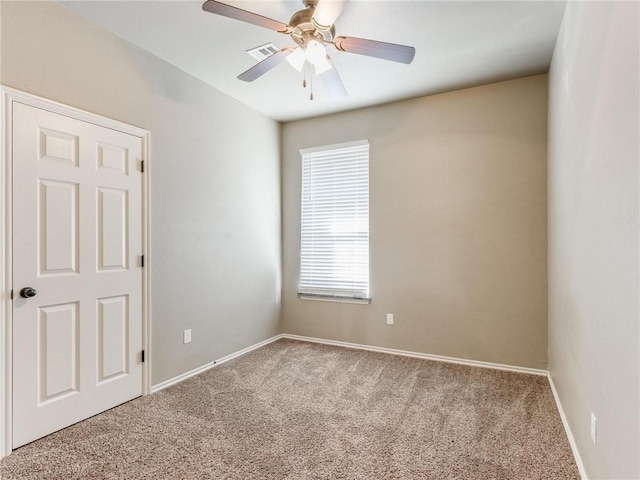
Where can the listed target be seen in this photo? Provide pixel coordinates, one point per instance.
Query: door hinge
(142, 261)
(11, 294)
(142, 356)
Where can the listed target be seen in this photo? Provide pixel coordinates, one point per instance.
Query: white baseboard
(215, 363)
(567, 429)
(425, 356)
(392, 351)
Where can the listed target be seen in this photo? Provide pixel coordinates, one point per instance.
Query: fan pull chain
(304, 80)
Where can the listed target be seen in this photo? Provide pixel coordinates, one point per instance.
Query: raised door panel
(112, 159)
(58, 146)
(58, 345)
(113, 337)
(113, 245)
(58, 233)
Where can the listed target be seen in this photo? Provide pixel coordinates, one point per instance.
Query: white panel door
(77, 238)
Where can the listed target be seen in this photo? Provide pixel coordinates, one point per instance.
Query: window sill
(336, 299)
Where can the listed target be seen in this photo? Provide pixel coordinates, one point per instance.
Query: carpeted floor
(294, 410)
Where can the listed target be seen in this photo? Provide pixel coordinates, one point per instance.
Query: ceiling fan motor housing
(304, 31)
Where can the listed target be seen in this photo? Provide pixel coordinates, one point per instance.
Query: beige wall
(215, 178)
(458, 225)
(593, 232)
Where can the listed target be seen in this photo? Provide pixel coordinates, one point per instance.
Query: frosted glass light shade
(322, 66)
(297, 58)
(316, 52)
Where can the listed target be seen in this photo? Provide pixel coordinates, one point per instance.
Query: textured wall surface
(458, 214)
(593, 232)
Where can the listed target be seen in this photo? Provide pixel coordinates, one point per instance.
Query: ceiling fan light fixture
(316, 52)
(322, 66)
(297, 58)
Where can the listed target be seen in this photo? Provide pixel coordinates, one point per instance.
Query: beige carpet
(294, 410)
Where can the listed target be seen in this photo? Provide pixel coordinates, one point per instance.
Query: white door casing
(77, 236)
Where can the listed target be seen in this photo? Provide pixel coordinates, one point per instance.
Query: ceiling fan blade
(213, 6)
(326, 13)
(265, 65)
(373, 48)
(333, 83)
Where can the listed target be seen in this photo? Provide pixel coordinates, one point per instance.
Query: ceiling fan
(312, 29)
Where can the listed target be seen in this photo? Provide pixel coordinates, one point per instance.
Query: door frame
(9, 97)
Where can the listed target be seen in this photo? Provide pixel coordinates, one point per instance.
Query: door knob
(28, 292)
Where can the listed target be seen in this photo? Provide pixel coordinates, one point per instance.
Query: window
(334, 249)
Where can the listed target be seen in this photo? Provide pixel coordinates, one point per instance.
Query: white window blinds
(334, 253)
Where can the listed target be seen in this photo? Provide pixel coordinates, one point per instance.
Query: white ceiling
(458, 44)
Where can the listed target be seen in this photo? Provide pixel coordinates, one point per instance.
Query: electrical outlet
(594, 437)
(389, 318)
(186, 336)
